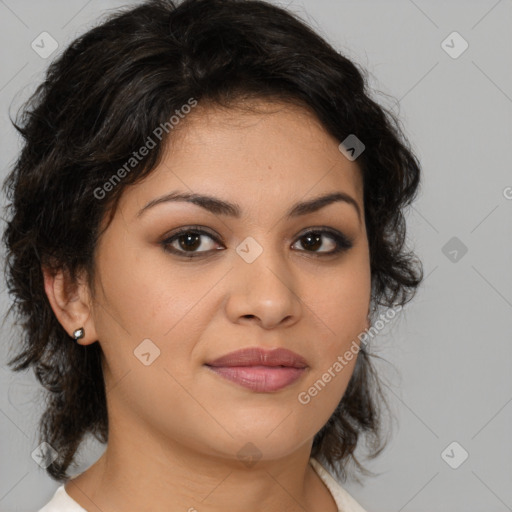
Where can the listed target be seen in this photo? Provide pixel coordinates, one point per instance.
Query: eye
(186, 241)
(313, 240)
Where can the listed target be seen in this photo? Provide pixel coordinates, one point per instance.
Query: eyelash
(343, 243)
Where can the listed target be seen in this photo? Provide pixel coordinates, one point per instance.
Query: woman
(204, 219)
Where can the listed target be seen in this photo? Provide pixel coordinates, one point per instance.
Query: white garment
(344, 501)
(62, 502)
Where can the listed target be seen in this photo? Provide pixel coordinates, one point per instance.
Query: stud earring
(79, 333)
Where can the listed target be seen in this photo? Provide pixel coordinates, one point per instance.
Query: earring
(79, 333)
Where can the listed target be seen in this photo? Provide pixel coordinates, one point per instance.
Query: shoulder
(62, 502)
(345, 502)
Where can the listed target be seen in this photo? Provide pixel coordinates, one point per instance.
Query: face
(168, 303)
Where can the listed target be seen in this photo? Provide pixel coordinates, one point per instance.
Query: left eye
(313, 240)
(187, 242)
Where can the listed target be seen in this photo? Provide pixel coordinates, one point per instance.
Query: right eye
(186, 242)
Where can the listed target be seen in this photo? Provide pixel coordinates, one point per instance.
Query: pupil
(316, 241)
(188, 238)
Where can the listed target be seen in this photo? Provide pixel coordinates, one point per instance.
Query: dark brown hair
(101, 100)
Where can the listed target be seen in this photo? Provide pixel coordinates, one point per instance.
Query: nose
(263, 291)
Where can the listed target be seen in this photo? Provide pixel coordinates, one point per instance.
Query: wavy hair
(101, 99)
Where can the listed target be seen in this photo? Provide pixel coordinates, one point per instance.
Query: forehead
(265, 154)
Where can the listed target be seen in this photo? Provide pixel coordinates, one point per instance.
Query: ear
(71, 303)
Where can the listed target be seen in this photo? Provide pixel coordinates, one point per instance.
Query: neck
(140, 471)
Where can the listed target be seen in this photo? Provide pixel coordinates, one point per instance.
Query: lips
(260, 370)
(258, 357)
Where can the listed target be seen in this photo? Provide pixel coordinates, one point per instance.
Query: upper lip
(256, 356)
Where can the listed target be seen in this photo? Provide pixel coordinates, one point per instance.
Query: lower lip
(260, 378)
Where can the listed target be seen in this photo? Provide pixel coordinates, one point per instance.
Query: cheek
(340, 306)
(142, 293)
(151, 314)
(336, 357)
(340, 314)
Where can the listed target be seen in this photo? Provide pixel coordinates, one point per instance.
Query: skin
(175, 428)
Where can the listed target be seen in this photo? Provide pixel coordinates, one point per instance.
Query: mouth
(260, 370)
(256, 356)
(262, 379)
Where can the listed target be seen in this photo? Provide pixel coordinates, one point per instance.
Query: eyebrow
(221, 207)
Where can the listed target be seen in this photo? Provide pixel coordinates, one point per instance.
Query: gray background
(450, 350)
